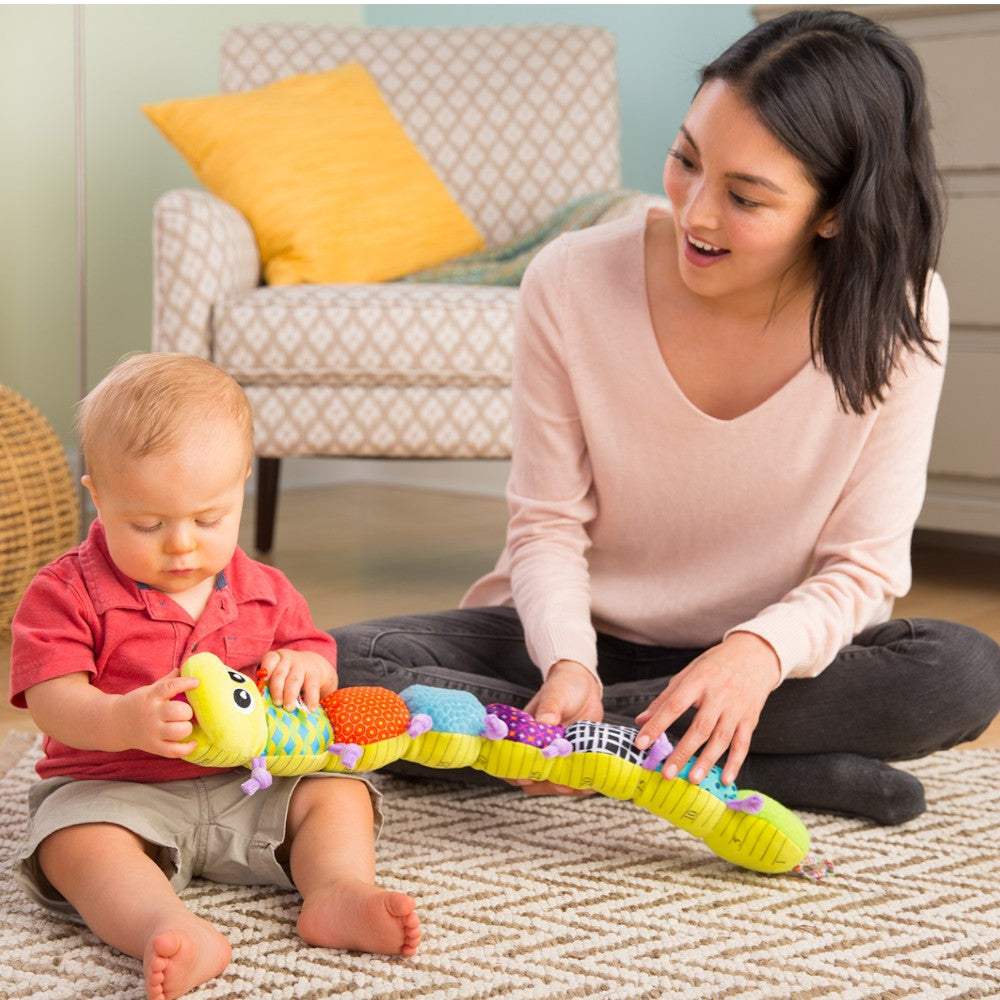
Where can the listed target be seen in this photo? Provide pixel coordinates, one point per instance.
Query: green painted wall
(134, 54)
(37, 199)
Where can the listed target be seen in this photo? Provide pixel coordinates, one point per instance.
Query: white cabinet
(959, 47)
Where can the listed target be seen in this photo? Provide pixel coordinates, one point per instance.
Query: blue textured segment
(712, 783)
(452, 711)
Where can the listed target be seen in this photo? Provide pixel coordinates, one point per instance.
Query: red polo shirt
(81, 614)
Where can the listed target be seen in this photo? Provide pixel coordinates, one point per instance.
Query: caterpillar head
(230, 720)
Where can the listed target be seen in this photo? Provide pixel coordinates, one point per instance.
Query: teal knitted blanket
(506, 264)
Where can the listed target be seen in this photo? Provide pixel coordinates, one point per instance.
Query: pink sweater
(636, 514)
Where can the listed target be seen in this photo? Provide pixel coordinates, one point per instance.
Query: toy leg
(127, 901)
(331, 853)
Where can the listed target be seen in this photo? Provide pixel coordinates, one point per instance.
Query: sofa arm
(203, 251)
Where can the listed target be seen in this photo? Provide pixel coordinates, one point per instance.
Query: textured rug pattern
(544, 898)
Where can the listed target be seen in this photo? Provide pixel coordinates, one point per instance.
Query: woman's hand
(570, 693)
(728, 684)
(292, 673)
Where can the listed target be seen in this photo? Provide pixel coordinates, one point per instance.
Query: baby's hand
(293, 673)
(149, 718)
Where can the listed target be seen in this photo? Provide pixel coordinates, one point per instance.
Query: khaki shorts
(200, 827)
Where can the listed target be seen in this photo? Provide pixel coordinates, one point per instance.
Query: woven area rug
(553, 898)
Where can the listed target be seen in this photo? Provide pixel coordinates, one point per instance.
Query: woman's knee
(958, 649)
(901, 689)
(935, 642)
(975, 657)
(966, 664)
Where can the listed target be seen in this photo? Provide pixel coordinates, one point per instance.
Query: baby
(120, 822)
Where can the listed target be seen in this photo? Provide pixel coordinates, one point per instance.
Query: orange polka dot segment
(366, 715)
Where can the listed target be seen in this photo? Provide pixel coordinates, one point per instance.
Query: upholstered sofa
(516, 122)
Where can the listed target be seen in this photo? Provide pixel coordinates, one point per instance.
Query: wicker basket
(39, 509)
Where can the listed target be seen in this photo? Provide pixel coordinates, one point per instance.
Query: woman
(722, 418)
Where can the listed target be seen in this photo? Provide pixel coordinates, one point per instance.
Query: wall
(37, 198)
(134, 54)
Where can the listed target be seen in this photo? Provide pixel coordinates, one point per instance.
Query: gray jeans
(899, 691)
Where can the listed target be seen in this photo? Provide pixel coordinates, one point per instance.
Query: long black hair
(847, 97)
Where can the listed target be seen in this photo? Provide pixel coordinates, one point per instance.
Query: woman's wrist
(574, 667)
(759, 650)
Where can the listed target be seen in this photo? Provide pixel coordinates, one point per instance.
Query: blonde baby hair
(151, 403)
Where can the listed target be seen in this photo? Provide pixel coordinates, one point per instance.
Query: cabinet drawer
(970, 269)
(967, 436)
(963, 78)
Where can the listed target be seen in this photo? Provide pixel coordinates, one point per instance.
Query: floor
(363, 551)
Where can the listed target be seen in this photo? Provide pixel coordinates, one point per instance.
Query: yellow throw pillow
(331, 184)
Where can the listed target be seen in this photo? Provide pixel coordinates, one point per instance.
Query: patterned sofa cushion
(384, 421)
(362, 335)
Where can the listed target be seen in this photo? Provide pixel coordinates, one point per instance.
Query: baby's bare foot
(358, 916)
(177, 961)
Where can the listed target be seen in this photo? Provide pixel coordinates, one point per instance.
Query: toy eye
(242, 700)
(236, 678)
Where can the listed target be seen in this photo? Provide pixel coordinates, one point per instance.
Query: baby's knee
(65, 853)
(87, 842)
(334, 797)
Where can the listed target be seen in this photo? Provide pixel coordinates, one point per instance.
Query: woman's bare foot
(358, 916)
(178, 960)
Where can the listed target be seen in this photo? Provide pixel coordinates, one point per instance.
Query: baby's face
(172, 520)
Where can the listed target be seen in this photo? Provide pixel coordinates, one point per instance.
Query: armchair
(516, 122)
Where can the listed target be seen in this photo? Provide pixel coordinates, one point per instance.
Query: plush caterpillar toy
(365, 728)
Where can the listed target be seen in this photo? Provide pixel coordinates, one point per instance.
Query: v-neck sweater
(634, 513)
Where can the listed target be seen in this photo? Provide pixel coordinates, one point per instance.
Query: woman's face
(745, 211)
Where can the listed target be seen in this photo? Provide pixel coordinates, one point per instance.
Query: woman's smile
(701, 253)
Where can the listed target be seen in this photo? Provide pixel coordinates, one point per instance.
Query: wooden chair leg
(268, 474)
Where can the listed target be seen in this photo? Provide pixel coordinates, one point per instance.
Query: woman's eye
(682, 159)
(744, 202)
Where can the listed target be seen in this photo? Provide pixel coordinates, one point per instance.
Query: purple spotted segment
(525, 728)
